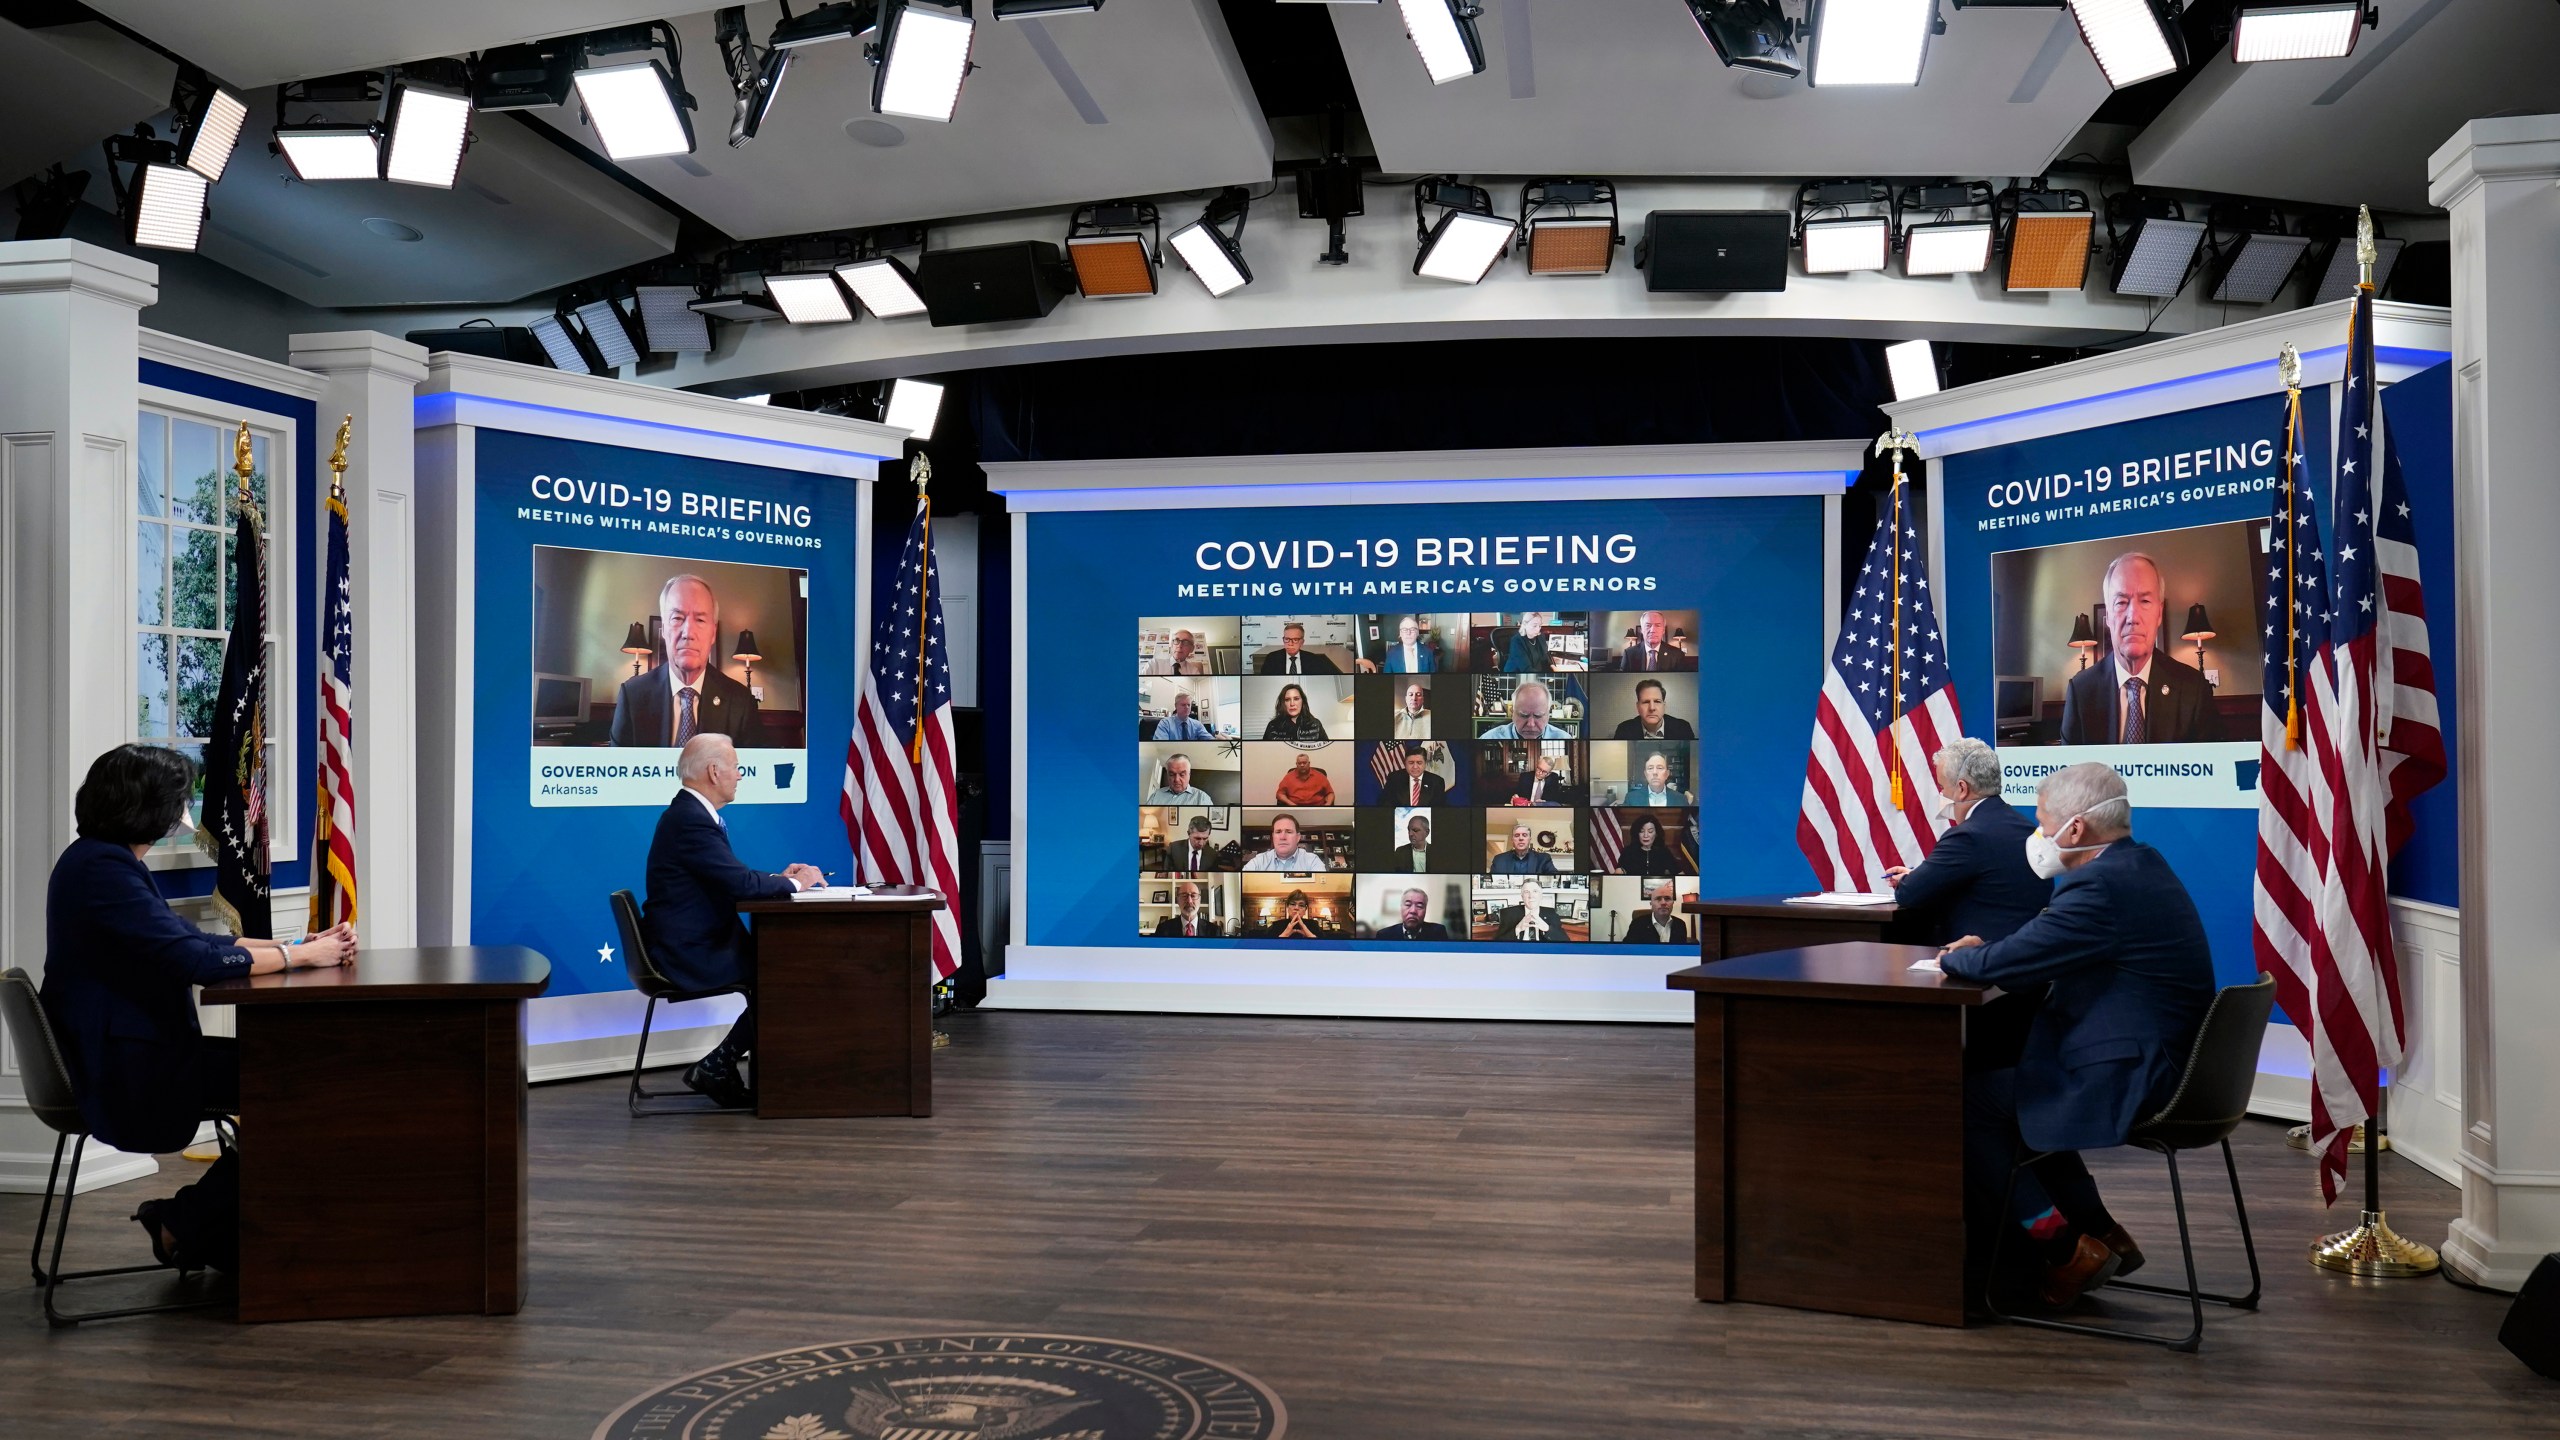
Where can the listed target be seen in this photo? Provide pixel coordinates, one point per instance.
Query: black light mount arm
(1230, 205)
(1120, 217)
(133, 151)
(1445, 193)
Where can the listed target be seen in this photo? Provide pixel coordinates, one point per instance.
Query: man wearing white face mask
(2131, 975)
(1976, 880)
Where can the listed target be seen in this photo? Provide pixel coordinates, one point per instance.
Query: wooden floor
(1406, 1229)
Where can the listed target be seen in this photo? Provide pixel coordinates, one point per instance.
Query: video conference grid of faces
(1496, 777)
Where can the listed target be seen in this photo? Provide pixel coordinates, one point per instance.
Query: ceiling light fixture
(1870, 42)
(2132, 40)
(1749, 35)
(839, 20)
(736, 307)
(1110, 248)
(2301, 32)
(1443, 32)
(2047, 234)
(161, 201)
(1946, 245)
(209, 117)
(922, 59)
(2156, 245)
(1570, 243)
(1030, 9)
(881, 281)
(1844, 242)
(567, 349)
(534, 76)
(2252, 266)
(913, 406)
(426, 123)
(1914, 367)
(1214, 256)
(809, 297)
(339, 149)
(637, 108)
(755, 76)
(669, 325)
(1467, 238)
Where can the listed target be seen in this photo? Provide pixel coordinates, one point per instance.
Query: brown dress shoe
(2091, 1265)
(2127, 1252)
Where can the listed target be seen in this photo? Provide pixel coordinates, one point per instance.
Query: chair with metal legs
(2211, 1100)
(648, 980)
(50, 1095)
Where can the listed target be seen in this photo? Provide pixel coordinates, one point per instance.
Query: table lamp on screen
(2199, 630)
(747, 654)
(2083, 639)
(636, 645)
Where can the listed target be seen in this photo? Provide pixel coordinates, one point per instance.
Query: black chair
(47, 1077)
(648, 980)
(2211, 1100)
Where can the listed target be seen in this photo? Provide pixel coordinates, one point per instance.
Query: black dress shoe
(715, 1077)
(148, 1215)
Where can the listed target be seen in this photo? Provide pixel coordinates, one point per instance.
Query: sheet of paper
(1842, 898)
(1928, 966)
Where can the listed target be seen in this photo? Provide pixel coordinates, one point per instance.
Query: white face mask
(1947, 809)
(2045, 852)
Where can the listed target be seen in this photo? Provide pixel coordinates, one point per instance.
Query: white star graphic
(604, 954)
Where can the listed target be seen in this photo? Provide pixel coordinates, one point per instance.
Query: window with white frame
(182, 528)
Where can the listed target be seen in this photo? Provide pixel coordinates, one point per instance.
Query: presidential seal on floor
(996, 1386)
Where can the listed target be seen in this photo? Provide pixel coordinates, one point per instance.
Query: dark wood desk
(1751, 924)
(844, 1005)
(1831, 1131)
(382, 1148)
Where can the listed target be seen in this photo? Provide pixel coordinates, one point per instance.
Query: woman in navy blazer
(120, 969)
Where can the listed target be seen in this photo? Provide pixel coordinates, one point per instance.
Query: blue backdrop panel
(2128, 480)
(2419, 412)
(1751, 566)
(540, 875)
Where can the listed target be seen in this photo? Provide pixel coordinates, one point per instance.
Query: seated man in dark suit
(688, 695)
(1187, 919)
(2131, 976)
(1195, 853)
(691, 918)
(1293, 658)
(1976, 881)
(1409, 923)
(1540, 785)
(1651, 650)
(1531, 921)
(1652, 720)
(1419, 787)
(2141, 695)
(1414, 856)
(1657, 925)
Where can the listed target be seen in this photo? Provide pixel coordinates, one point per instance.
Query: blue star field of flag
(1869, 638)
(2356, 582)
(2297, 578)
(912, 617)
(339, 631)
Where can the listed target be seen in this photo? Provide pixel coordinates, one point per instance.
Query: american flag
(1887, 704)
(2293, 797)
(901, 803)
(1607, 838)
(2377, 706)
(333, 883)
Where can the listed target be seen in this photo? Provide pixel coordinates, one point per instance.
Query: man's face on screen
(1519, 839)
(1182, 645)
(1177, 775)
(1649, 704)
(1291, 637)
(688, 620)
(2133, 611)
(1417, 832)
(1657, 771)
(1662, 903)
(1284, 836)
(1406, 631)
(1181, 706)
(1305, 764)
(1652, 623)
(1529, 713)
(1415, 904)
(1413, 698)
(1187, 895)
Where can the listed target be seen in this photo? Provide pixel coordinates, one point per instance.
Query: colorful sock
(2053, 1236)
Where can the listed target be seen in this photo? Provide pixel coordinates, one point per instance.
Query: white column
(374, 378)
(2496, 177)
(68, 358)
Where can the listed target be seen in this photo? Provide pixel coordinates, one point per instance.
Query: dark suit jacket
(1660, 860)
(1536, 862)
(1177, 858)
(1392, 663)
(1397, 787)
(1508, 920)
(2132, 977)
(1560, 791)
(1976, 880)
(695, 883)
(120, 971)
(1526, 656)
(1665, 659)
(1641, 931)
(1673, 728)
(1172, 925)
(1404, 859)
(1427, 930)
(1309, 663)
(2178, 706)
(642, 713)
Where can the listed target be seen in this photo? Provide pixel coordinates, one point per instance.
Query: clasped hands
(331, 947)
(807, 877)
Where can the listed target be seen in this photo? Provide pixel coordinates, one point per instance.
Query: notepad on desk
(1843, 898)
(833, 892)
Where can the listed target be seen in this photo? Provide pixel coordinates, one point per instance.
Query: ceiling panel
(2357, 130)
(64, 87)
(1629, 87)
(1144, 97)
(259, 42)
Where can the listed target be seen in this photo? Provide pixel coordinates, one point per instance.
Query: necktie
(1417, 792)
(684, 716)
(1293, 664)
(2133, 726)
(1190, 928)
(1648, 657)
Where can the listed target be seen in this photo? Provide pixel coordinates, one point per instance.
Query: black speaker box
(512, 342)
(1019, 280)
(2532, 1330)
(1713, 251)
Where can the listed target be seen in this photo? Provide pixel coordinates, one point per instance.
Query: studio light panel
(1914, 367)
(926, 60)
(560, 345)
(1870, 42)
(1211, 257)
(1447, 42)
(2260, 268)
(1572, 246)
(1835, 247)
(1112, 267)
(168, 206)
(913, 405)
(884, 285)
(2296, 32)
(330, 152)
(2157, 255)
(809, 299)
(1462, 247)
(1947, 247)
(427, 129)
(214, 132)
(634, 111)
(669, 322)
(2128, 38)
(2049, 250)
(612, 338)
